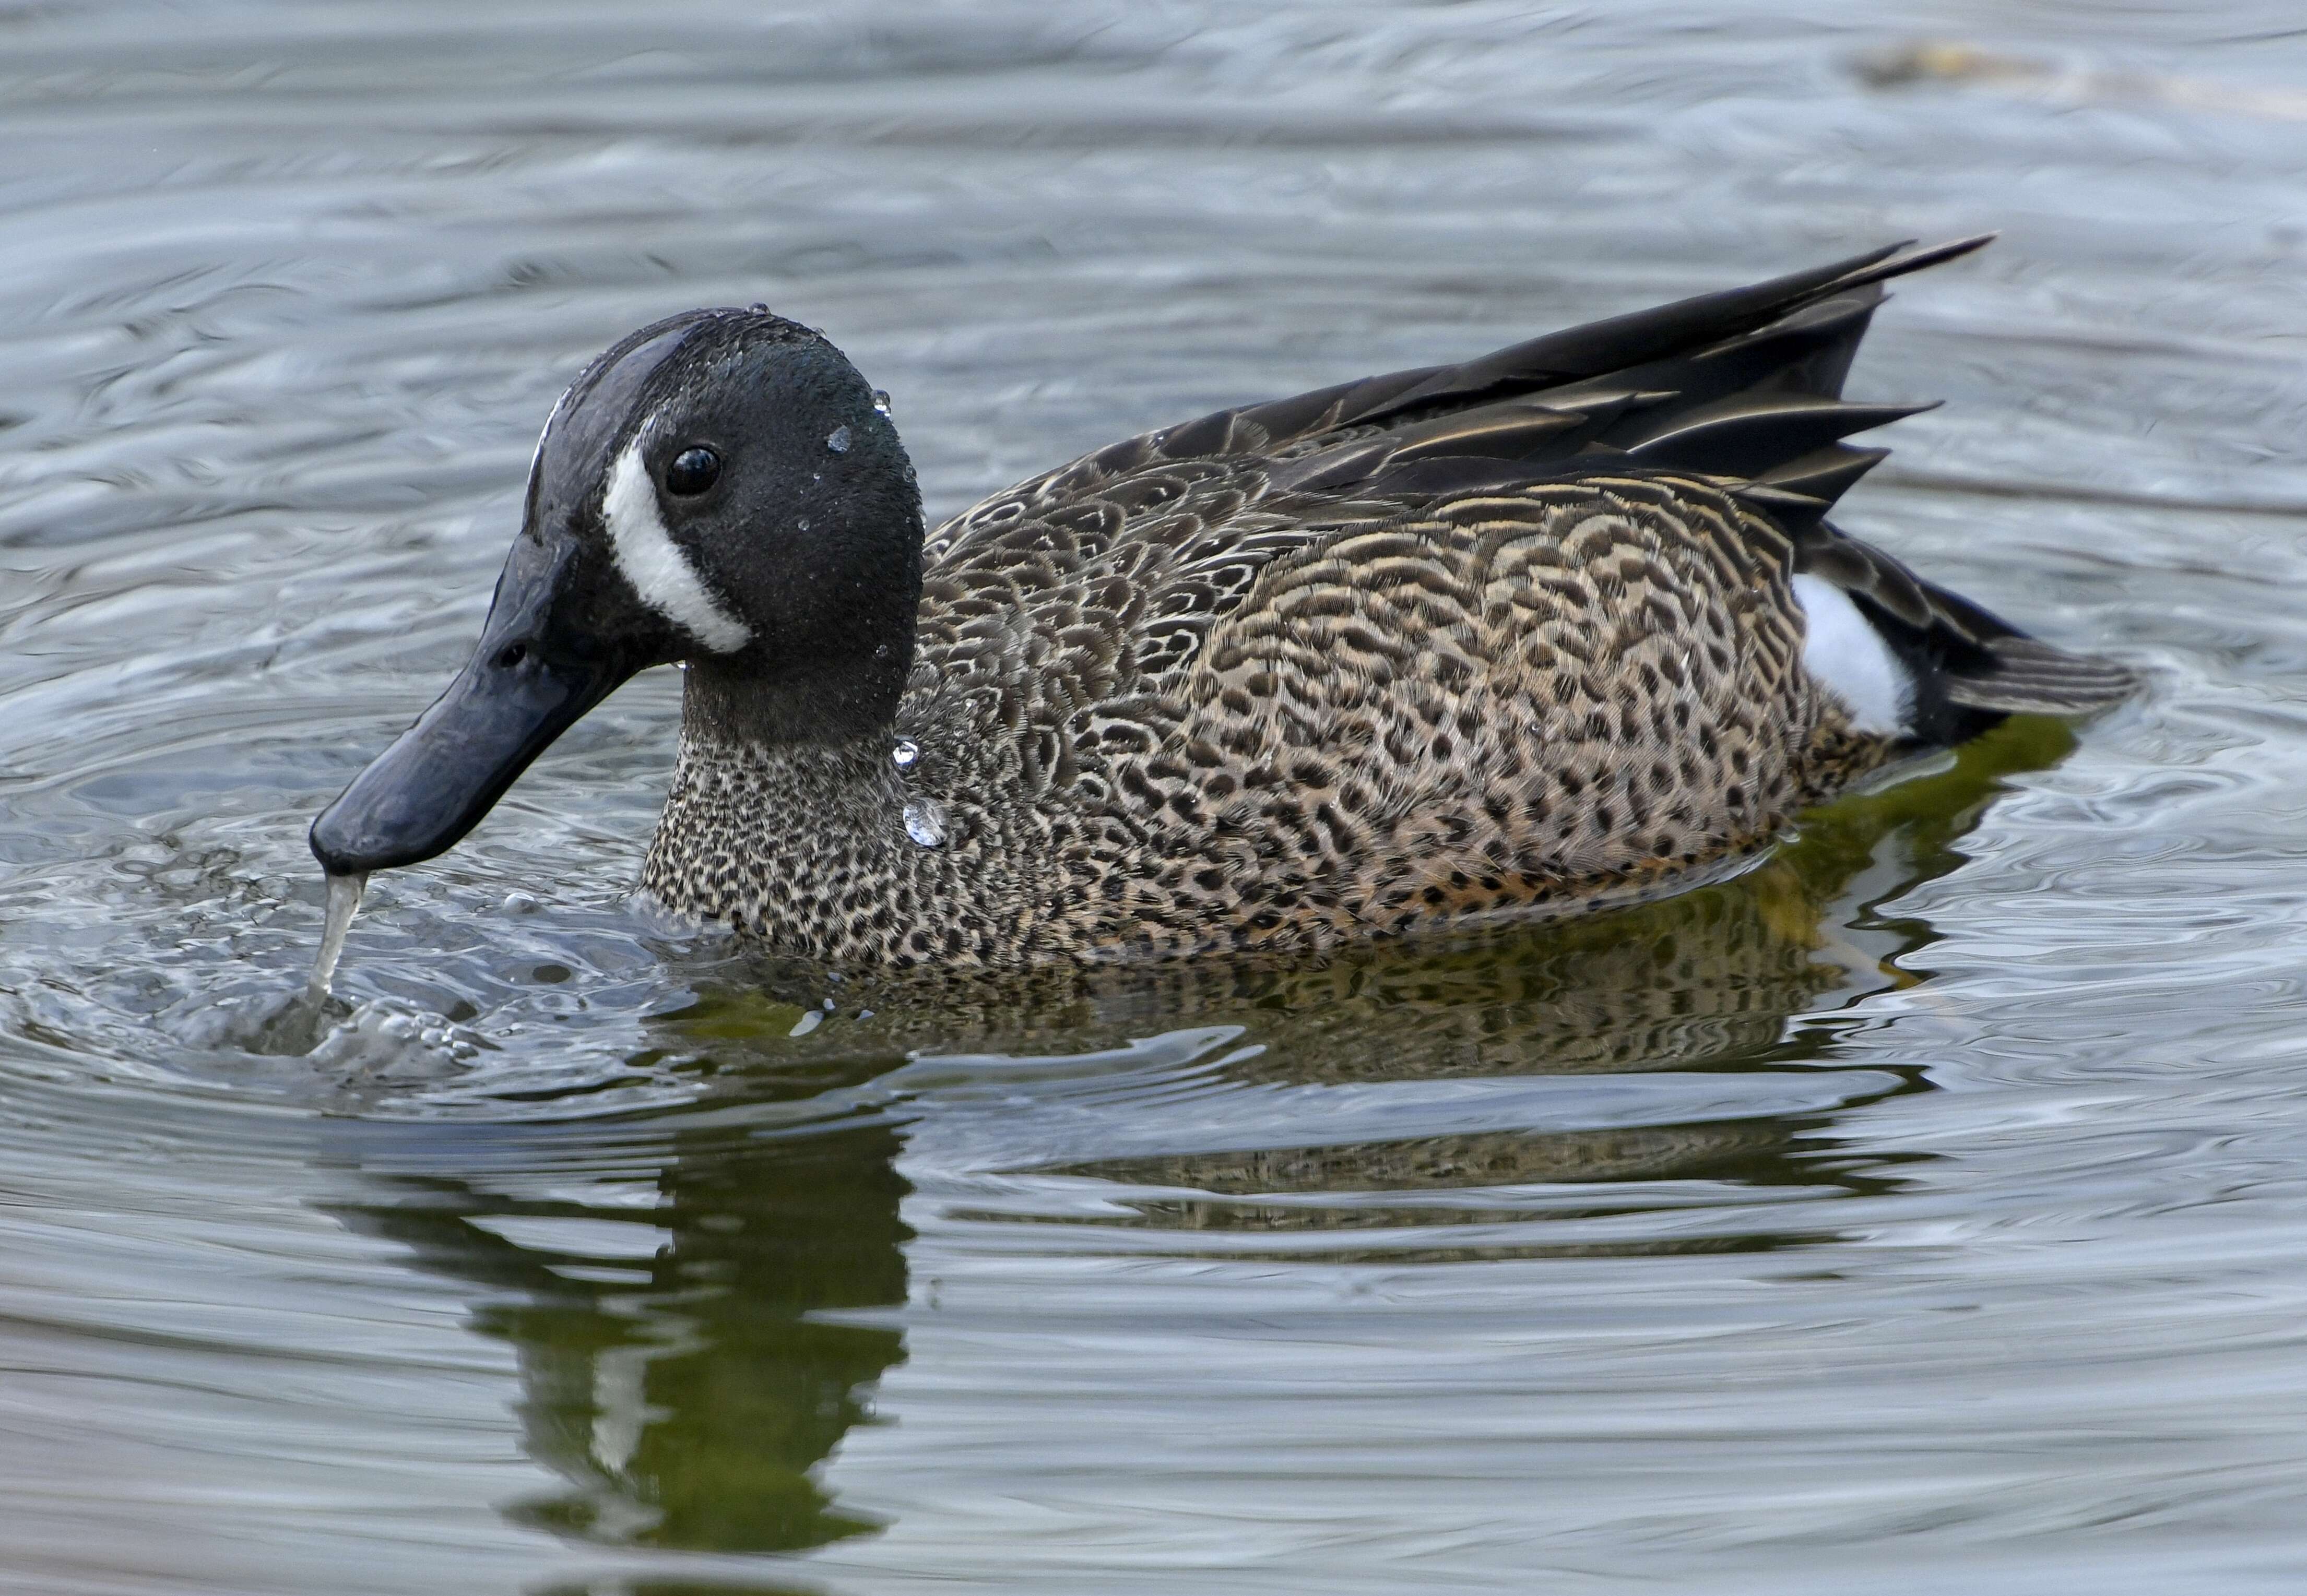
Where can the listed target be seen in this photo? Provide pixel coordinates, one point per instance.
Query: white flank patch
(654, 563)
(1845, 655)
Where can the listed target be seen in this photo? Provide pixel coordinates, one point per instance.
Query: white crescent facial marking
(654, 563)
(1845, 655)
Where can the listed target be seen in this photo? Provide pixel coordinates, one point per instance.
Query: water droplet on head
(801, 525)
(925, 821)
(757, 308)
(838, 440)
(881, 401)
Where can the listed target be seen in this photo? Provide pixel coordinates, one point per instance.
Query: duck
(1559, 626)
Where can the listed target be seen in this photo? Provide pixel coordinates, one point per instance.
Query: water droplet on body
(905, 753)
(881, 401)
(925, 822)
(838, 440)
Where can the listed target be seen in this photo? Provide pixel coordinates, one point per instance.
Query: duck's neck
(846, 699)
(764, 831)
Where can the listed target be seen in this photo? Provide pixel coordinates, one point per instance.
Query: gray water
(1922, 1211)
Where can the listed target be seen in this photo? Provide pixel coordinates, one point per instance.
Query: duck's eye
(692, 471)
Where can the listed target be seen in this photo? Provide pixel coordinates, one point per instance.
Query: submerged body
(1544, 628)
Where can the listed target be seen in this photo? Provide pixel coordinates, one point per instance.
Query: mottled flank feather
(1447, 644)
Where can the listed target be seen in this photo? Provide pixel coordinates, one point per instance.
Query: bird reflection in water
(687, 1394)
(689, 1386)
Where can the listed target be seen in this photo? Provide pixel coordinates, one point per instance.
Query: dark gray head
(720, 489)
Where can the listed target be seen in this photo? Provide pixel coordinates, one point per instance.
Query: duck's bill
(545, 657)
(423, 794)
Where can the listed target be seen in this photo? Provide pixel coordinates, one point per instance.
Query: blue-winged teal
(1551, 627)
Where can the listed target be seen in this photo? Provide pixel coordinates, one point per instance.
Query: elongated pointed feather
(2027, 676)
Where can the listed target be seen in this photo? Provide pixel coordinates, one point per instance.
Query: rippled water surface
(1921, 1211)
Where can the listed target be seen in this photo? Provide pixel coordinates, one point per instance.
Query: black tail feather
(2027, 676)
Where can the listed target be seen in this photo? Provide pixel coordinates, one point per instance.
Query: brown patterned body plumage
(1446, 644)
(1412, 711)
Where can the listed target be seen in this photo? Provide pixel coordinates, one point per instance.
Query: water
(344, 903)
(1918, 1212)
(925, 821)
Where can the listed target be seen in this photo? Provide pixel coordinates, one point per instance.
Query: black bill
(532, 677)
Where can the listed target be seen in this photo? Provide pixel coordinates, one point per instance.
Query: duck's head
(720, 489)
